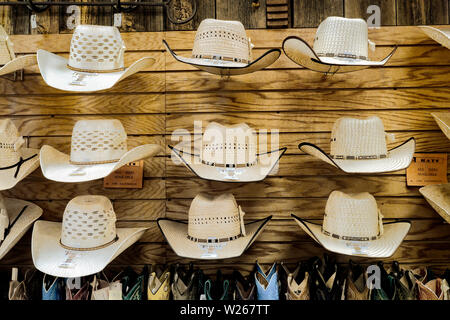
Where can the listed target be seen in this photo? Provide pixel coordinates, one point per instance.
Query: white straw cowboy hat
(359, 146)
(84, 243)
(222, 47)
(229, 154)
(438, 196)
(215, 229)
(16, 217)
(16, 162)
(96, 61)
(353, 225)
(443, 121)
(98, 147)
(8, 61)
(440, 35)
(340, 45)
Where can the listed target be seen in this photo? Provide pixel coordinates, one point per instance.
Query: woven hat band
(229, 165)
(342, 55)
(221, 58)
(369, 157)
(89, 249)
(95, 71)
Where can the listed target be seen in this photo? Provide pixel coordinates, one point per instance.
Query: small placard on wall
(130, 176)
(426, 169)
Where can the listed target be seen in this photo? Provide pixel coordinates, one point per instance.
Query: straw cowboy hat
(229, 154)
(8, 61)
(16, 217)
(353, 225)
(215, 229)
(222, 47)
(96, 61)
(359, 146)
(340, 45)
(438, 196)
(16, 162)
(440, 35)
(84, 243)
(443, 121)
(98, 147)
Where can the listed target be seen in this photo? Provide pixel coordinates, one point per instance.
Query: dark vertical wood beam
(418, 12)
(242, 10)
(309, 13)
(358, 9)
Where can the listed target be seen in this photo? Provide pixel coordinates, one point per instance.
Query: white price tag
(117, 20)
(358, 247)
(210, 249)
(231, 173)
(33, 22)
(70, 260)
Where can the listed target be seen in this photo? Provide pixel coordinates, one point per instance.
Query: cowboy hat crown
(10, 143)
(352, 217)
(88, 222)
(222, 40)
(229, 146)
(98, 141)
(214, 219)
(358, 139)
(96, 49)
(342, 37)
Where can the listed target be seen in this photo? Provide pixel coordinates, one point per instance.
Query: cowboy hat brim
(301, 53)
(383, 247)
(51, 258)
(7, 176)
(440, 35)
(175, 232)
(56, 74)
(438, 196)
(56, 166)
(18, 63)
(220, 67)
(253, 173)
(443, 121)
(398, 158)
(29, 212)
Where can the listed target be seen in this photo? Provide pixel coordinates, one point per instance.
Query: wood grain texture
(305, 79)
(298, 100)
(420, 12)
(242, 10)
(310, 13)
(358, 9)
(302, 104)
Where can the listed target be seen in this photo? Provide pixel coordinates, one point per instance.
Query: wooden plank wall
(302, 14)
(301, 103)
